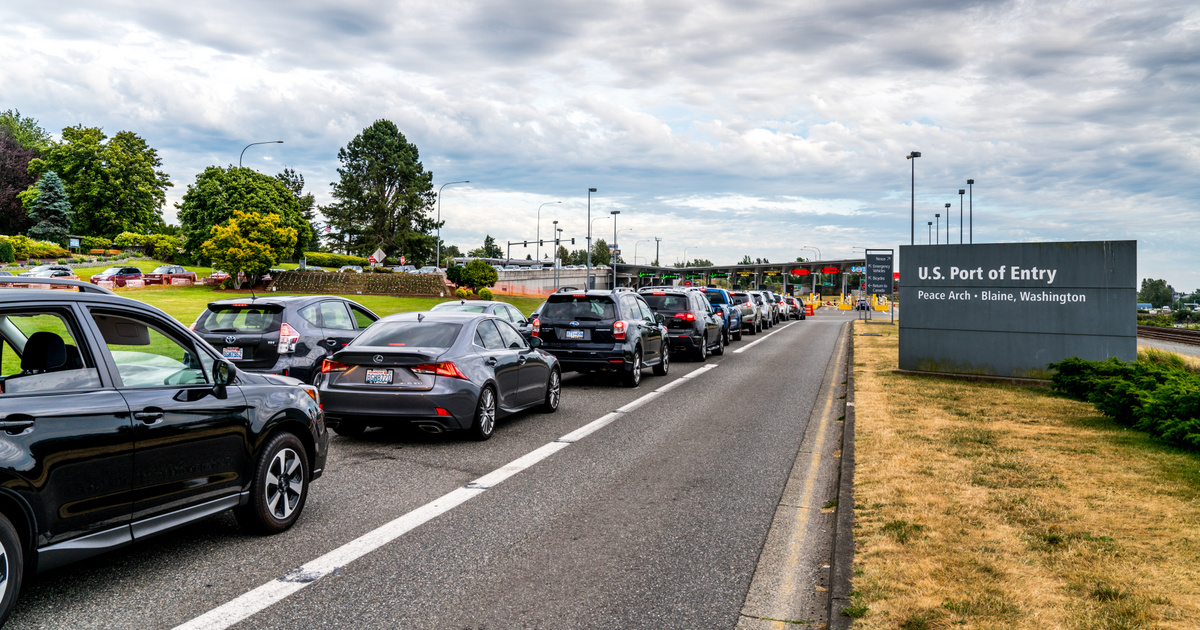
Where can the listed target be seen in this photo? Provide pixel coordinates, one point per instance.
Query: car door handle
(148, 417)
(331, 342)
(491, 361)
(16, 424)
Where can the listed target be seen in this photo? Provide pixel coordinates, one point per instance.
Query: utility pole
(588, 283)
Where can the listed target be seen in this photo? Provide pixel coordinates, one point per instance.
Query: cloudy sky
(726, 128)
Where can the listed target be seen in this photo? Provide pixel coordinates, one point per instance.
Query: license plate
(574, 334)
(233, 354)
(379, 377)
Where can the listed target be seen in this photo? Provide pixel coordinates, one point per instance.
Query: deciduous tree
(15, 178)
(489, 250)
(218, 192)
(26, 131)
(1156, 292)
(249, 242)
(308, 207)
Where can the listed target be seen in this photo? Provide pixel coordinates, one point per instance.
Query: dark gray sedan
(437, 371)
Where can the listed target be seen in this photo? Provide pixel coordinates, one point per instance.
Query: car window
(40, 352)
(675, 303)
(334, 315)
(488, 336)
(362, 318)
(514, 315)
(512, 338)
(311, 314)
(240, 318)
(647, 314)
(581, 307)
(146, 354)
(412, 334)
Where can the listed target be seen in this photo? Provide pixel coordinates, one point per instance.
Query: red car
(117, 275)
(164, 274)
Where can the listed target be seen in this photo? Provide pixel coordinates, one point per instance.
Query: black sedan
(437, 371)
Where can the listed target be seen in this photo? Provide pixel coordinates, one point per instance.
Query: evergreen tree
(50, 210)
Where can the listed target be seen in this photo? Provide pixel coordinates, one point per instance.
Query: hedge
(322, 259)
(351, 283)
(25, 248)
(1157, 394)
(158, 246)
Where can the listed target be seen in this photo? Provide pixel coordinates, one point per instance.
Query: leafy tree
(476, 274)
(564, 256)
(798, 259)
(24, 130)
(14, 178)
(384, 197)
(250, 242)
(50, 210)
(489, 250)
(219, 192)
(1156, 292)
(113, 186)
(600, 253)
(746, 260)
(450, 252)
(578, 257)
(308, 207)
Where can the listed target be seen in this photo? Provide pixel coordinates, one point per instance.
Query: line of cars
(118, 423)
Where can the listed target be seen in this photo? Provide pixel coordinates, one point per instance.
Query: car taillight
(537, 326)
(444, 368)
(288, 337)
(687, 317)
(328, 366)
(618, 329)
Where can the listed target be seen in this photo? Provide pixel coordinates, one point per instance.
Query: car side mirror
(535, 342)
(660, 319)
(223, 373)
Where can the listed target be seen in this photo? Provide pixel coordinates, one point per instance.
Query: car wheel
(12, 564)
(737, 336)
(350, 429)
(664, 365)
(485, 415)
(634, 376)
(279, 488)
(701, 352)
(553, 392)
(725, 337)
(720, 349)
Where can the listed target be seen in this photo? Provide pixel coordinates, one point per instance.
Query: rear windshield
(715, 298)
(579, 307)
(409, 334)
(740, 299)
(459, 306)
(240, 319)
(675, 303)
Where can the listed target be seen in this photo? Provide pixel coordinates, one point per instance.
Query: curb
(841, 568)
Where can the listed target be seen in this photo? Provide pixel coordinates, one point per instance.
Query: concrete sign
(879, 272)
(1008, 309)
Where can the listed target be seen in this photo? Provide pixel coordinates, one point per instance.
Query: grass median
(999, 506)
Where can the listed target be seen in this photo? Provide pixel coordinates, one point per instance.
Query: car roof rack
(84, 287)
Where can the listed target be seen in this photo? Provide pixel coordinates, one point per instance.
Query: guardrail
(1178, 335)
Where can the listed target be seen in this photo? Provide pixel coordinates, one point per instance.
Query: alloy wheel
(285, 483)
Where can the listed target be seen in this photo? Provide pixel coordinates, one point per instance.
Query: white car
(350, 268)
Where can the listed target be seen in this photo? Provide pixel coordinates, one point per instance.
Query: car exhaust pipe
(430, 428)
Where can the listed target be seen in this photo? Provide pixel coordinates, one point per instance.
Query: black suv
(287, 335)
(692, 325)
(118, 423)
(610, 331)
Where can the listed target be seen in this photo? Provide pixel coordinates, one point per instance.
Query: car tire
(701, 351)
(275, 500)
(12, 562)
(721, 343)
(664, 364)
(634, 376)
(484, 424)
(350, 429)
(737, 336)
(553, 392)
(725, 337)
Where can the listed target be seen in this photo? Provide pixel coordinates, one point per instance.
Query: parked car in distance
(219, 275)
(692, 326)
(427, 269)
(350, 268)
(721, 301)
(41, 268)
(5, 273)
(604, 331)
(163, 274)
(751, 314)
(121, 424)
(119, 276)
(437, 371)
(282, 334)
(54, 273)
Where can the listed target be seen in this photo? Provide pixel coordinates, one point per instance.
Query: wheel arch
(18, 512)
(291, 421)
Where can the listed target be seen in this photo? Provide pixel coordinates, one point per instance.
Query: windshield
(459, 306)
(111, 271)
(235, 318)
(161, 270)
(715, 298)
(673, 303)
(410, 334)
(579, 307)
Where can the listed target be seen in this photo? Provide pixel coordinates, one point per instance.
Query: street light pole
(438, 257)
(930, 238)
(960, 215)
(816, 249)
(556, 231)
(938, 231)
(537, 253)
(612, 256)
(588, 281)
(252, 144)
(971, 211)
(657, 241)
(947, 224)
(913, 155)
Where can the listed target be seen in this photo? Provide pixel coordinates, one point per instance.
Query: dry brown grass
(996, 506)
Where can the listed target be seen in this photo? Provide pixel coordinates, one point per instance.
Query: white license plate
(233, 354)
(379, 377)
(574, 334)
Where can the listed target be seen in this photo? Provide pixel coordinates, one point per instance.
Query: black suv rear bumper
(591, 360)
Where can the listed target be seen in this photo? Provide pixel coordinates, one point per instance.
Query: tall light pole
(971, 211)
(612, 257)
(438, 258)
(938, 231)
(685, 256)
(913, 155)
(645, 240)
(556, 263)
(252, 144)
(657, 242)
(537, 254)
(930, 240)
(814, 249)
(588, 282)
(960, 216)
(947, 224)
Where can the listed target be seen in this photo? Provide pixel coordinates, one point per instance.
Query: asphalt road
(655, 520)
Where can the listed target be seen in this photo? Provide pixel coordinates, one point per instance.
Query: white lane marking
(638, 402)
(761, 339)
(257, 600)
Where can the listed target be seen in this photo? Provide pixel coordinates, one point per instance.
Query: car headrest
(43, 351)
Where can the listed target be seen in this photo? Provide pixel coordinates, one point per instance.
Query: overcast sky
(727, 128)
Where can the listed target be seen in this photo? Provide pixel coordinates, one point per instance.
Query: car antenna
(252, 296)
(420, 317)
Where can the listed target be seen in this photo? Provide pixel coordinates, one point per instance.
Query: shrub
(95, 242)
(462, 292)
(486, 293)
(478, 273)
(322, 259)
(7, 253)
(377, 270)
(158, 246)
